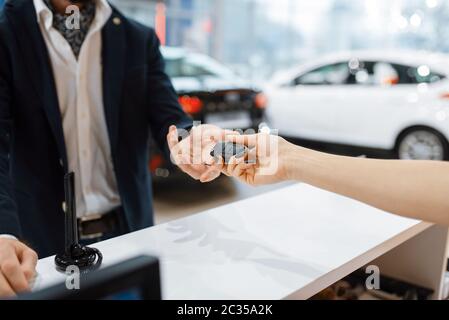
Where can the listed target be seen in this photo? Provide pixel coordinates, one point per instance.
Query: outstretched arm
(416, 189)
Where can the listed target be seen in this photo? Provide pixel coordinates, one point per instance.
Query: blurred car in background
(387, 101)
(212, 94)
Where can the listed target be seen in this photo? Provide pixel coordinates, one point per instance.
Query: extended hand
(265, 162)
(192, 154)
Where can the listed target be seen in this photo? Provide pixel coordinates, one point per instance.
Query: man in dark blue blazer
(82, 100)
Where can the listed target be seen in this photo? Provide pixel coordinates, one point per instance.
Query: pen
(71, 227)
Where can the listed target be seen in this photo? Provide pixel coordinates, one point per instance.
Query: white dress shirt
(79, 86)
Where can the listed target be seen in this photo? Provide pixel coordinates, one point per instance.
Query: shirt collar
(45, 16)
(103, 13)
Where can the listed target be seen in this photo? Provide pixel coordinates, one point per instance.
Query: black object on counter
(227, 150)
(85, 258)
(134, 279)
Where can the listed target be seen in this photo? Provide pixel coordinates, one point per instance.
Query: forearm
(164, 109)
(416, 189)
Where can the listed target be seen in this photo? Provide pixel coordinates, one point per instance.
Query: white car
(395, 101)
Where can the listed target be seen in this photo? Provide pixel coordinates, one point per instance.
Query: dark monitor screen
(134, 279)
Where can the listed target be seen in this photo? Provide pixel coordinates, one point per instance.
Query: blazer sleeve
(164, 108)
(9, 220)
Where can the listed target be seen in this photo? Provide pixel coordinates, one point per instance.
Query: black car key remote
(227, 150)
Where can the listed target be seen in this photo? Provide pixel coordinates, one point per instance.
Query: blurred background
(258, 37)
(353, 77)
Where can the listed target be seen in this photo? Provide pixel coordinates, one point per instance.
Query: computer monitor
(134, 279)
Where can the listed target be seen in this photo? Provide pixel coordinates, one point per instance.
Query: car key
(227, 150)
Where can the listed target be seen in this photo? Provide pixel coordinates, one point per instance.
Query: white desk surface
(290, 243)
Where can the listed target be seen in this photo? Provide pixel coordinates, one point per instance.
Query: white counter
(290, 243)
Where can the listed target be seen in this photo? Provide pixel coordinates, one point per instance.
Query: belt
(95, 226)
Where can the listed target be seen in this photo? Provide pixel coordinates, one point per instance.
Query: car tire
(422, 144)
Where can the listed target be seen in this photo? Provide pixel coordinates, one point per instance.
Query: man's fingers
(232, 132)
(242, 168)
(223, 166)
(28, 260)
(247, 140)
(210, 176)
(215, 163)
(13, 273)
(174, 146)
(186, 159)
(180, 151)
(172, 137)
(251, 157)
(218, 134)
(229, 133)
(212, 172)
(232, 164)
(251, 176)
(238, 167)
(188, 169)
(5, 289)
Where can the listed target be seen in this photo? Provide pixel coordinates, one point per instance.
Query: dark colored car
(211, 94)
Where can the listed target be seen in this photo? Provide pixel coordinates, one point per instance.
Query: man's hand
(17, 267)
(192, 154)
(266, 162)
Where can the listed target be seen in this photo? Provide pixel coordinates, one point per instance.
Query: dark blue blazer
(139, 102)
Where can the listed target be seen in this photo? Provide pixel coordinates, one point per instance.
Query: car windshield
(368, 73)
(195, 65)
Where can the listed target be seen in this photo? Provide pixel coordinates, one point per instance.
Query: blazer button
(117, 21)
(61, 162)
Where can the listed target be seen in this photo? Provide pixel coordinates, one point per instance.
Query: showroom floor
(178, 197)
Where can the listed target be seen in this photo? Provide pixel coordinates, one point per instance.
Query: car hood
(208, 84)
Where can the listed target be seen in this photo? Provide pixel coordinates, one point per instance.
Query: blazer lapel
(37, 61)
(113, 72)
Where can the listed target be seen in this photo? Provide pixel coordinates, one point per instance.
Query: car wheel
(423, 144)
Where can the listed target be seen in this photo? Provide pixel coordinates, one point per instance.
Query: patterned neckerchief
(75, 37)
